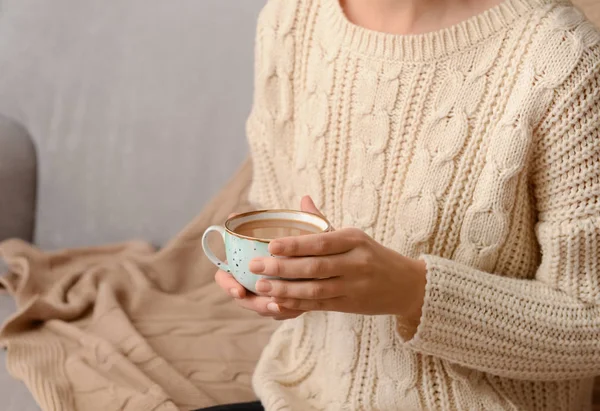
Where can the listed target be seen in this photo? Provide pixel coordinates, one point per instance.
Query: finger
(257, 307)
(303, 268)
(232, 215)
(335, 242)
(330, 304)
(302, 290)
(263, 306)
(229, 284)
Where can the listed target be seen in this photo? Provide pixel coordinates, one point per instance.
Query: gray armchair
(17, 181)
(17, 211)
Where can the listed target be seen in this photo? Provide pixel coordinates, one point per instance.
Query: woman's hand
(344, 271)
(264, 306)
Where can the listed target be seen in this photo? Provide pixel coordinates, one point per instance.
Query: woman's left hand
(344, 271)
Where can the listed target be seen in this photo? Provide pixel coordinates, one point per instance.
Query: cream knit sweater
(476, 148)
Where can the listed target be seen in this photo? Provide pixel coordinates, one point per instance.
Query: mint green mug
(240, 249)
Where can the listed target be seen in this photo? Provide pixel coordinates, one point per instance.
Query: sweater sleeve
(546, 328)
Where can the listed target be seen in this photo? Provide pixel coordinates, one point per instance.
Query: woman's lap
(249, 406)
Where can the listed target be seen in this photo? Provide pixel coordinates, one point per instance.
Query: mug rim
(267, 211)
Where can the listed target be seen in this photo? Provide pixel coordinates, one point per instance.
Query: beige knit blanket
(126, 327)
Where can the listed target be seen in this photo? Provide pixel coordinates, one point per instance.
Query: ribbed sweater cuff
(505, 326)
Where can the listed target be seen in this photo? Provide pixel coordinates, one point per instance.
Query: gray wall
(136, 107)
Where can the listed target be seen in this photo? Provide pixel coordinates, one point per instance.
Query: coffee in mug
(276, 228)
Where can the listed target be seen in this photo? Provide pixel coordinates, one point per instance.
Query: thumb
(307, 204)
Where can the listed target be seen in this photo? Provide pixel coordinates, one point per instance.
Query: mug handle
(211, 256)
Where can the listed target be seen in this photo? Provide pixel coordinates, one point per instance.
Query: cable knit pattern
(476, 148)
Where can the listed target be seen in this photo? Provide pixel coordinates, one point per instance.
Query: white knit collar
(422, 47)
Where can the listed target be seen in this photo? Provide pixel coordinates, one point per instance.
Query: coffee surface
(270, 229)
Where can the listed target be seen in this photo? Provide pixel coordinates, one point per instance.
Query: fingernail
(234, 293)
(276, 247)
(263, 286)
(257, 266)
(274, 308)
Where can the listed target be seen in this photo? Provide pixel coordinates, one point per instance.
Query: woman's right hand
(263, 306)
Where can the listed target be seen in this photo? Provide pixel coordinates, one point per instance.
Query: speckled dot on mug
(241, 249)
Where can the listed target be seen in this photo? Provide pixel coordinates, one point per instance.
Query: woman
(456, 145)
